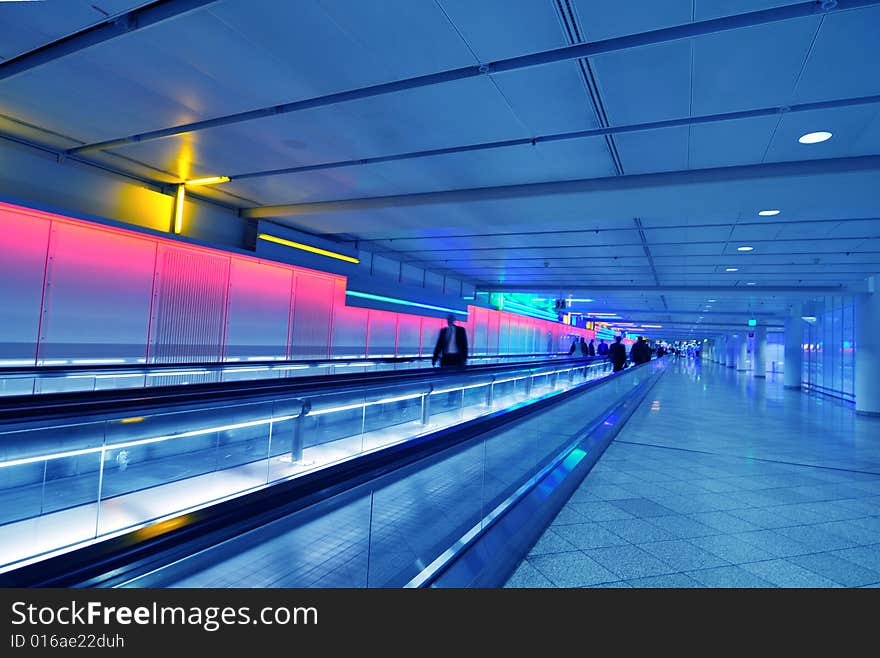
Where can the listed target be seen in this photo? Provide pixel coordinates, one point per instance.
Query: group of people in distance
(451, 349)
(640, 352)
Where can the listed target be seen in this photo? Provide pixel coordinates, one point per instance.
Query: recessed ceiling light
(732, 269)
(769, 213)
(751, 283)
(815, 138)
(713, 300)
(745, 247)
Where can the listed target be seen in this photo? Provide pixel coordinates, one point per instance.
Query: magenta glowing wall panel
(99, 286)
(73, 291)
(24, 244)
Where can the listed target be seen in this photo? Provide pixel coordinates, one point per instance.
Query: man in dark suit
(617, 354)
(452, 347)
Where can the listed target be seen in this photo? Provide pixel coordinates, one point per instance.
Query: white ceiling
(237, 55)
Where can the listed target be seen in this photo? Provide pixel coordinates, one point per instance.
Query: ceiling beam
(583, 185)
(116, 26)
(566, 53)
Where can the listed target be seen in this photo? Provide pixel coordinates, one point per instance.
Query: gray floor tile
(569, 514)
(774, 543)
(817, 539)
(673, 580)
(682, 526)
(787, 574)
(835, 568)
(527, 576)
(551, 542)
(725, 522)
(729, 577)
(630, 562)
(865, 556)
(589, 535)
(642, 507)
(854, 532)
(683, 555)
(637, 531)
(732, 549)
(572, 569)
(600, 511)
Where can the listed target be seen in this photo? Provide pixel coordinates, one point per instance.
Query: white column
(867, 351)
(722, 350)
(794, 352)
(759, 367)
(742, 362)
(733, 351)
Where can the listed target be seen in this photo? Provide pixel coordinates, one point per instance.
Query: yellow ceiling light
(306, 247)
(210, 180)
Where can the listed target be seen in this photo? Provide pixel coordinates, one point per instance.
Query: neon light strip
(358, 405)
(402, 302)
(463, 388)
(178, 209)
(305, 247)
(211, 180)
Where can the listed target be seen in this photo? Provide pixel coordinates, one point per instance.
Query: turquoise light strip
(402, 302)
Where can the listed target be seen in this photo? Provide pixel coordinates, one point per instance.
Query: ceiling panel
(25, 26)
(729, 143)
(840, 62)
(854, 129)
(603, 20)
(549, 99)
(645, 84)
(751, 67)
(653, 150)
(493, 31)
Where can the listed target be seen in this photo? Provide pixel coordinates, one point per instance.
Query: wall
(73, 291)
(829, 348)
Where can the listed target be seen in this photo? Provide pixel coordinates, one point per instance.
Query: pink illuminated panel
(98, 295)
(259, 309)
(23, 250)
(409, 334)
(349, 325)
(312, 311)
(382, 336)
(189, 309)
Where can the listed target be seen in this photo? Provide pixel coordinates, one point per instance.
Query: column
(732, 351)
(867, 351)
(742, 362)
(759, 366)
(722, 350)
(794, 352)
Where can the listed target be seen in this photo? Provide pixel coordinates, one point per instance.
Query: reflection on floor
(61, 530)
(722, 480)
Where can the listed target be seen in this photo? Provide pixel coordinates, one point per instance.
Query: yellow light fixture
(211, 180)
(305, 247)
(178, 209)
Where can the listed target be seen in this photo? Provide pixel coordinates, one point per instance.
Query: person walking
(602, 350)
(591, 348)
(617, 354)
(452, 346)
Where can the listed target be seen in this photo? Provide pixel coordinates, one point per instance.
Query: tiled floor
(722, 480)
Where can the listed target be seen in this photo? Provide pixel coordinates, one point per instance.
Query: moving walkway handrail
(118, 559)
(112, 402)
(105, 369)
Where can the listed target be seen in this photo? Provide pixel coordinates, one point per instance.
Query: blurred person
(617, 354)
(452, 346)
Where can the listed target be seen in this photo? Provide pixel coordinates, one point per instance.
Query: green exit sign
(753, 323)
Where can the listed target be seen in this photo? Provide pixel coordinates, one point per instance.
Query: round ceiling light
(815, 138)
